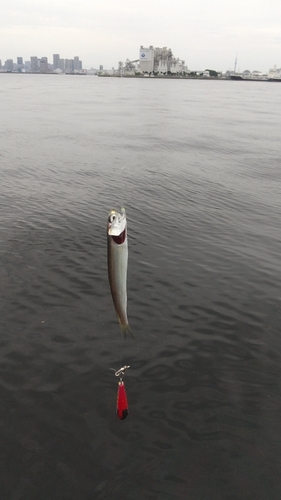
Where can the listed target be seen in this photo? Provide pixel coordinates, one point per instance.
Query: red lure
(122, 409)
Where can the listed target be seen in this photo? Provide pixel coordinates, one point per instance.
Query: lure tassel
(122, 408)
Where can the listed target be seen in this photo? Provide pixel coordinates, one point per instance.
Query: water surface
(197, 166)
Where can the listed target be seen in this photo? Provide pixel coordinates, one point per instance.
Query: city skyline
(37, 64)
(75, 64)
(205, 34)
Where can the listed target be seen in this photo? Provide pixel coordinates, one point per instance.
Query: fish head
(116, 223)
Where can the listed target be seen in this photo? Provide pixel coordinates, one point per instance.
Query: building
(146, 59)
(56, 61)
(77, 64)
(69, 65)
(43, 65)
(163, 60)
(34, 66)
(61, 65)
(160, 60)
(19, 65)
(9, 65)
(176, 66)
(274, 73)
(66, 65)
(130, 68)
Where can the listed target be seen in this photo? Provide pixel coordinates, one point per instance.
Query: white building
(274, 73)
(159, 60)
(146, 59)
(177, 66)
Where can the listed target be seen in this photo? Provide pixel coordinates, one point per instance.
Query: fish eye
(111, 218)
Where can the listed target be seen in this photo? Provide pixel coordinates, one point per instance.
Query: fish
(117, 259)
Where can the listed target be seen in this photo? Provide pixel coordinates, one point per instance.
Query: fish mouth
(116, 223)
(120, 238)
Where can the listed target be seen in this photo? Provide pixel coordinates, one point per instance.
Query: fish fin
(126, 330)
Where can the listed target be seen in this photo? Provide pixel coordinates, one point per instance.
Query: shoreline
(156, 77)
(210, 78)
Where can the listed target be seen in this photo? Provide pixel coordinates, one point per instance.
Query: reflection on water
(196, 166)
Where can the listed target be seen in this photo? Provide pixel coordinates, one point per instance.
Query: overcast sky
(205, 33)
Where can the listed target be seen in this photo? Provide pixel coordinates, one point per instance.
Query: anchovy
(117, 255)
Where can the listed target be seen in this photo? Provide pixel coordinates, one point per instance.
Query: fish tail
(126, 330)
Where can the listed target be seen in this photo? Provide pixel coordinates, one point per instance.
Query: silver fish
(117, 255)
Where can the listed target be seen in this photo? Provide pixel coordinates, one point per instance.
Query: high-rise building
(76, 63)
(56, 61)
(34, 67)
(69, 65)
(44, 68)
(61, 64)
(9, 65)
(19, 65)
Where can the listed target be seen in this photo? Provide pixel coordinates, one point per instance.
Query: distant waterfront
(157, 77)
(210, 78)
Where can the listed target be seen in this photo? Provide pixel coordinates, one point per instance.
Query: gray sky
(205, 33)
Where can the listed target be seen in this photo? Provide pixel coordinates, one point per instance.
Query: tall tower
(44, 65)
(76, 63)
(235, 64)
(34, 67)
(56, 61)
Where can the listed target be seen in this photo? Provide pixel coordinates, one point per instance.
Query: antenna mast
(235, 64)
